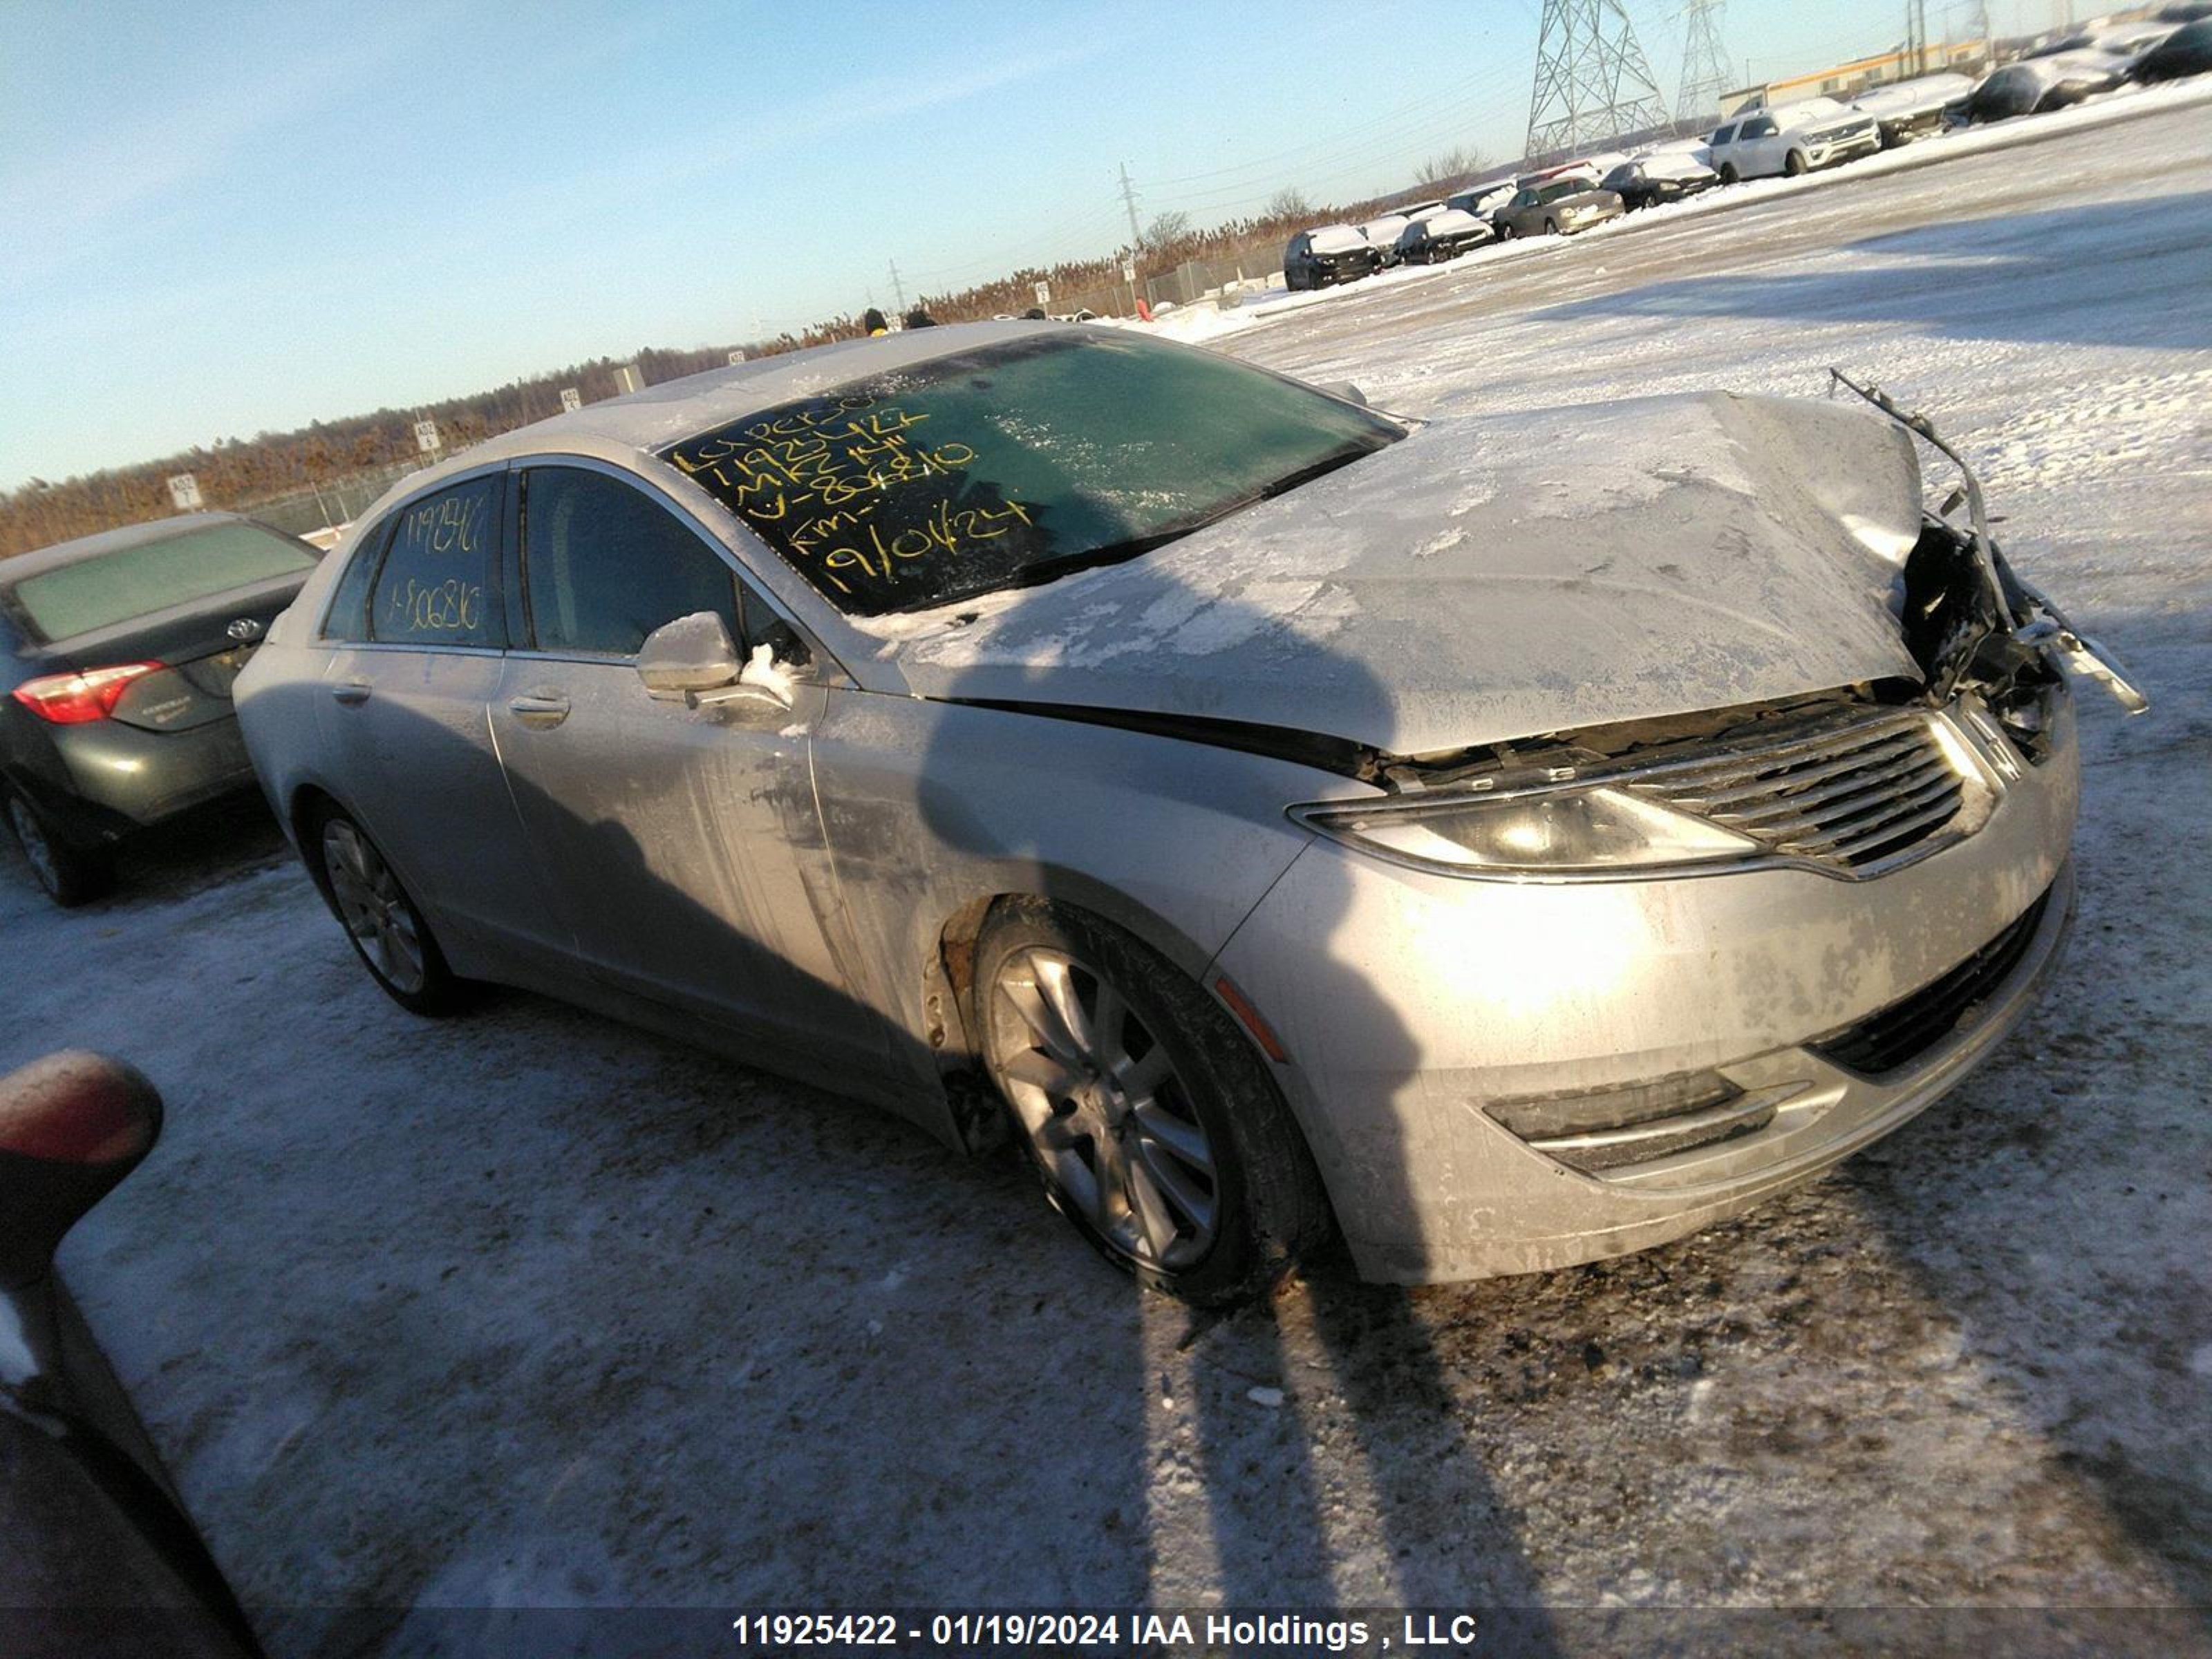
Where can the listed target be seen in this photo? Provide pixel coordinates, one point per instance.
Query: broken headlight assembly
(1584, 830)
(1971, 622)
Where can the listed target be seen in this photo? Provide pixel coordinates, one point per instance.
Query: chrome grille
(1863, 795)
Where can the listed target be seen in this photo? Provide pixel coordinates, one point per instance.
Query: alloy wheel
(374, 907)
(1104, 1108)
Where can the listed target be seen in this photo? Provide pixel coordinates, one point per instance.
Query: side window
(1762, 128)
(435, 587)
(1722, 136)
(347, 619)
(604, 565)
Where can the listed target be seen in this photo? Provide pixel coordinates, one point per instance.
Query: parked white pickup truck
(1793, 139)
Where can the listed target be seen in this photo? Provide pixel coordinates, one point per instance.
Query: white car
(1912, 109)
(1793, 139)
(1483, 201)
(1382, 234)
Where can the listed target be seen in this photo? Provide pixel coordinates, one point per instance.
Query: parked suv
(117, 652)
(1325, 254)
(1797, 138)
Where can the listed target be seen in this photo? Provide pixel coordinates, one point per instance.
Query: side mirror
(71, 1127)
(693, 662)
(692, 653)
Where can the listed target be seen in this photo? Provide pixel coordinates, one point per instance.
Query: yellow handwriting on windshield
(814, 479)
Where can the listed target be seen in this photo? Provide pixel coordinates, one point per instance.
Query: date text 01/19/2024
(1276, 1632)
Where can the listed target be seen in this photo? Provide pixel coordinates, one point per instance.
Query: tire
(1145, 1112)
(70, 874)
(1551, 226)
(1728, 174)
(1793, 165)
(382, 923)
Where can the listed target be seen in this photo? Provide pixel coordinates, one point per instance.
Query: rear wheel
(1154, 1127)
(71, 874)
(387, 930)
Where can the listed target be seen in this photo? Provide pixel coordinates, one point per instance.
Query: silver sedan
(1504, 842)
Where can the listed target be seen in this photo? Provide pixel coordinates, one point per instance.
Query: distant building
(1848, 79)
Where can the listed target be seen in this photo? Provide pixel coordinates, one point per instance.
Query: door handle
(540, 710)
(351, 693)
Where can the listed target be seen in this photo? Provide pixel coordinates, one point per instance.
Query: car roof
(40, 559)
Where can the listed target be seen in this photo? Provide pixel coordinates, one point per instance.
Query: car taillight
(73, 699)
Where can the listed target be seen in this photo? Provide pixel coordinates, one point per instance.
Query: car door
(1762, 146)
(682, 846)
(417, 623)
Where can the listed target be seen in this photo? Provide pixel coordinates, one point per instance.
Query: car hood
(1484, 580)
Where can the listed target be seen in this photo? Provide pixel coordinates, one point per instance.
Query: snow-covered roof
(1449, 221)
(1917, 93)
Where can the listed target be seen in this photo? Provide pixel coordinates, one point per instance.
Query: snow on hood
(1384, 232)
(1485, 580)
(1908, 97)
(1679, 161)
(1451, 221)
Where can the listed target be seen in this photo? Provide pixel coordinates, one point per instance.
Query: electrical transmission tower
(1592, 81)
(1704, 65)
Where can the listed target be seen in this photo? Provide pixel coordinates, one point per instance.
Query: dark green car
(116, 652)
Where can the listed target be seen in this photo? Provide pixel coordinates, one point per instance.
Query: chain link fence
(330, 504)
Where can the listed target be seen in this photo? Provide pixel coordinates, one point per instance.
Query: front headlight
(1550, 832)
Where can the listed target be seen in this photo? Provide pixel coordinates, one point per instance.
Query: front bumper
(1411, 1001)
(1843, 149)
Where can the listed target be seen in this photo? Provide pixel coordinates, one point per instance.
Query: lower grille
(1610, 1129)
(1901, 1033)
(1860, 794)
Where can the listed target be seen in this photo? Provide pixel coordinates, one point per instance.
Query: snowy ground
(530, 1309)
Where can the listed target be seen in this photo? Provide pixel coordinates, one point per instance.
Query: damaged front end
(1853, 782)
(1970, 621)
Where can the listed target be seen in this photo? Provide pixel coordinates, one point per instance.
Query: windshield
(1015, 462)
(135, 581)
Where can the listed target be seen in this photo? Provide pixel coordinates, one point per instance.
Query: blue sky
(231, 219)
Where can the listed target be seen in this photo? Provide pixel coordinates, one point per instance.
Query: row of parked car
(1804, 136)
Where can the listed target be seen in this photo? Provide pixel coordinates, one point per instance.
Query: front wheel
(382, 921)
(70, 874)
(1794, 165)
(1728, 174)
(1153, 1123)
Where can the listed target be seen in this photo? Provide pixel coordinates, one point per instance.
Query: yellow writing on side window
(451, 523)
(446, 607)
